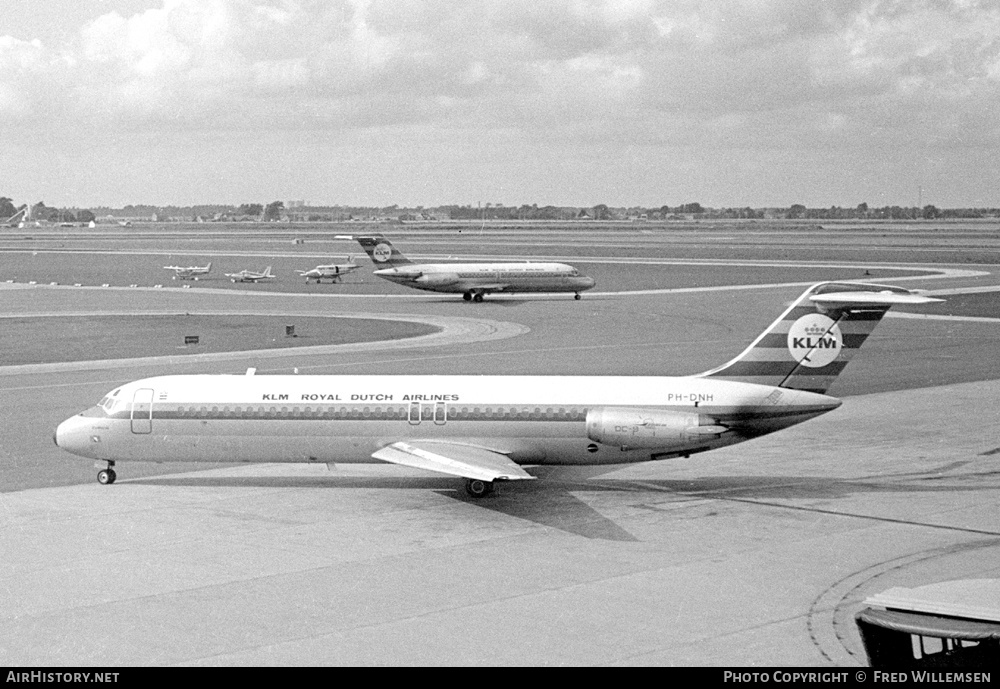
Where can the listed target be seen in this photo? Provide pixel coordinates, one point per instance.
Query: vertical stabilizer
(814, 339)
(380, 250)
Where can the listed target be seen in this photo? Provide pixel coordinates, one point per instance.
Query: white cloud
(731, 74)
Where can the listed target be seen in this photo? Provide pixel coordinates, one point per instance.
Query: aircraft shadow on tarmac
(486, 303)
(552, 501)
(547, 504)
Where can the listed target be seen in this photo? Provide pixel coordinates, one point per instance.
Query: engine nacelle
(635, 427)
(437, 279)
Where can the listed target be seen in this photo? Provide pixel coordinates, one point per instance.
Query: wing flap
(453, 459)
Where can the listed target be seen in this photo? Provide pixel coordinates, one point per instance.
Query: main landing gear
(107, 476)
(478, 488)
(470, 296)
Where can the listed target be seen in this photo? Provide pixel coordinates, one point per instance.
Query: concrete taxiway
(754, 555)
(758, 554)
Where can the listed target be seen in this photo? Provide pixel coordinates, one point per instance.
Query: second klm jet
(471, 280)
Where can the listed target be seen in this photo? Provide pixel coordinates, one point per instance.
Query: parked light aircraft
(251, 276)
(485, 428)
(471, 280)
(333, 272)
(189, 272)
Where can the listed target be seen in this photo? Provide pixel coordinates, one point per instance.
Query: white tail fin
(812, 341)
(381, 251)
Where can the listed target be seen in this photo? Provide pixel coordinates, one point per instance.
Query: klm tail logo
(381, 252)
(815, 340)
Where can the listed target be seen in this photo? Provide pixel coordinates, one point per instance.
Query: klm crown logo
(815, 340)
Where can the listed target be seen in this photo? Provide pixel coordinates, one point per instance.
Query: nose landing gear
(107, 476)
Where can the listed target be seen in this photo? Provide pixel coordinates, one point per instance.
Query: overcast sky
(563, 102)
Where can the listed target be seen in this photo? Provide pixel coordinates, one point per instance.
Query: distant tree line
(276, 211)
(40, 211)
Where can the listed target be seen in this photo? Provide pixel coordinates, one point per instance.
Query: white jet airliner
(18, 219)
(189, 272)
(486, 428)
(471, 280)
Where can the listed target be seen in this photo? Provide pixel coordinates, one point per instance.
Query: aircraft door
(413, 414)
(440, 413)
(142, 411)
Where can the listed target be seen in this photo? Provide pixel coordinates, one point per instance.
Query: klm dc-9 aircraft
(472, 280)
(489, 428)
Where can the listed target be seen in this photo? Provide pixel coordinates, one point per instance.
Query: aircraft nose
(75, 435)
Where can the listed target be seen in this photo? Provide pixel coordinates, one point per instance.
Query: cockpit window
(108, 401)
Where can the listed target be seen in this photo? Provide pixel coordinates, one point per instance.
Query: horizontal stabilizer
(453, 459)
(870, 298)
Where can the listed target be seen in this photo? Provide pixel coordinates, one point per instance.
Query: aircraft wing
(453, 459)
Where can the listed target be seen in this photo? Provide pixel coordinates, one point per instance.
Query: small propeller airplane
(189, 272)
(251, 276)
(333, 272)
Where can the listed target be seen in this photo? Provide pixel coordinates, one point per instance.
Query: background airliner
(485, 428)
(251, 276)
(471, 280)
(189, 272)
(333, 272)
(22, 215)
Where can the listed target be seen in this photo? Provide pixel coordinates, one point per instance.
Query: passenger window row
(426, 412)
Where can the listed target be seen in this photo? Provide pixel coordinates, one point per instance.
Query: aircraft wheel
(477, 488)
(477, 298)
(467, 296)
(577, 297)
(106, 477)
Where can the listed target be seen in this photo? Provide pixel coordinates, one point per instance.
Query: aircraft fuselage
(488, 277)
(345, 419)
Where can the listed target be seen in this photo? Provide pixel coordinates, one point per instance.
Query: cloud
(727, 75)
